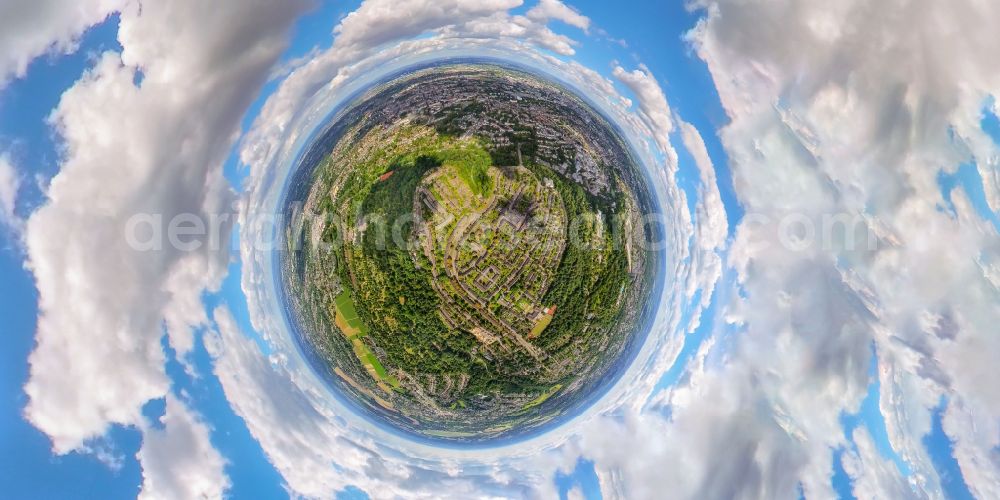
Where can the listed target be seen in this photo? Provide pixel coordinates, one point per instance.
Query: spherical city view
(463, 251)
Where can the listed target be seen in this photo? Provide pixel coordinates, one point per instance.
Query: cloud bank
(145, 131)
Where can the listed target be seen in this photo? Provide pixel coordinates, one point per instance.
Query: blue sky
(653, 34)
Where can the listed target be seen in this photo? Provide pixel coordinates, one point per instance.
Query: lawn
(347, 316)
(471, 162)
(542, 324)
(352, 326)
(541, 399)
(370, 362)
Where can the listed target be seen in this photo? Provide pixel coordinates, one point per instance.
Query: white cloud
(976, 444)
(377, 22)
(503, 25)
(711, 225)
(555, 9)
(293, 434)
(30, 29)
(717, 444)
(10, 183)
(575, 493)
(874, 476)
(103, 449)
(853, 108)
(179, 461)
(653, 107)
(157, 149)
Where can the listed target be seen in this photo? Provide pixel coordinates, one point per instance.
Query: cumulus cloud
(711, 225)
(380, 21)
(653, 107)
(301, 442)
(10, 183)
(503, 25)
(30, 29)
(555, 9)
(873, 475)
(179, 461)
(155, 148)
(844, 109)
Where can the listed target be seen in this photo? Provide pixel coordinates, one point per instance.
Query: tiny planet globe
(463, 251)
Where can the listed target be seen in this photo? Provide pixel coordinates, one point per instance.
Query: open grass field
(352, 326)
(541, 399)
(374, 367)
(453, 434)
(539, 327)
(471, 162)
(347, 316)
